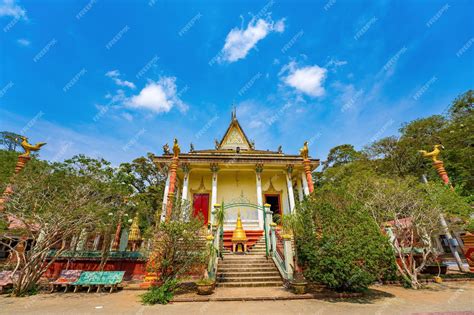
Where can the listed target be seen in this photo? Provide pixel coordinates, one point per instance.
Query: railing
(282, 252)
(213, 247)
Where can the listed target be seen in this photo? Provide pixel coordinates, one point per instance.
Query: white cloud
(23, 42)
(308, 80)
(10, 8)
(127, 116)
(158, 97)
(239, 41)
(114, 75)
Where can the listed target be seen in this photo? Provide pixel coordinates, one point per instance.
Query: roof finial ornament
(234, 111)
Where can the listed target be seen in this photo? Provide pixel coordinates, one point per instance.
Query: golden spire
(239, 233)
(135, 234)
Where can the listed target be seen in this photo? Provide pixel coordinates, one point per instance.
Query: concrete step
(250, 279)
(269, 273)
(250, 284)
(246, 269)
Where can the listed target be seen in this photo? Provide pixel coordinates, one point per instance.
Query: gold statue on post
(304, 151)
(176, 148)
(433, 154)
(29, 147)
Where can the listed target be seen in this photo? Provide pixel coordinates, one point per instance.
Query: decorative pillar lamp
(239, 238)
(439, 167)
(20, 164)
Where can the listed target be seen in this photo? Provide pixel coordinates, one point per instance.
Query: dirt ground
(452, 298)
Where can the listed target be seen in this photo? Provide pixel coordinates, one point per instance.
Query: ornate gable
(235, 137)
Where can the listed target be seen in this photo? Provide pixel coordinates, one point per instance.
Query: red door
(201, 206)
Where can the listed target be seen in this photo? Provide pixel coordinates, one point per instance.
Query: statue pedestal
(235, 246)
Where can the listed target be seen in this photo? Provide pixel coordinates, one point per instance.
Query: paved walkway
(449, 298)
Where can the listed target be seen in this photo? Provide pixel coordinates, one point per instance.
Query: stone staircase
(250, 270)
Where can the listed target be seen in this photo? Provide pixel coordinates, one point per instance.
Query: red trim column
(309, 177)
(172, 186)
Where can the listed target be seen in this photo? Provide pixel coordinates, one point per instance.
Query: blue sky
(118, 79)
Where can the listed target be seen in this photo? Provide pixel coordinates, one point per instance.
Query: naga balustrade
(282, 252)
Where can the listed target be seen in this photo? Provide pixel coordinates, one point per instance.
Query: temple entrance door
(275, 205)
(201, 206)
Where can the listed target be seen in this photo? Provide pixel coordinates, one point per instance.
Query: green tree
(147, 182)
(345, 250)
(9, 140)
(341, 154)
(51, 204)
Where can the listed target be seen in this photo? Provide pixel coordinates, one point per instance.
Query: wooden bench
(6, 280)
(99, 279)
(66, 278)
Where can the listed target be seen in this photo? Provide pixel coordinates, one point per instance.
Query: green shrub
(345, 250)
(160, 295)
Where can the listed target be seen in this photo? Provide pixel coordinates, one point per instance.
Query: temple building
(237, 172)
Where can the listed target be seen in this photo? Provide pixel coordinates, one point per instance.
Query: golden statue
(29, 147)
(135, 234)
(304, 151)
(176, 149)
(433, 154)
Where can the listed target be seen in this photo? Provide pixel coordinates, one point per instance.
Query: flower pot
(299, 287)
(205, 289)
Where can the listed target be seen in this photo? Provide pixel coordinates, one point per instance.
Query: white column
(214, 170)
(289, 185)
(184, 195)
(258, 171)
(165, 198)
(305, 184)
(300, 189)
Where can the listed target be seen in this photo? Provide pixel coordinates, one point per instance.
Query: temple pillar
(300, 189)
(258, 171)
(305, 184)
(172, 175)
(184, 194)
(289, 185)
(165, 198)
(214, 170)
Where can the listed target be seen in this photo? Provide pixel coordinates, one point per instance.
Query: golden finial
(176, 149)
(433, 154)
(29, 147)
(304, 151)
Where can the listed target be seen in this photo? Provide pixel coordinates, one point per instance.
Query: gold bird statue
(304, 151)
(433, 154)
(29, 147)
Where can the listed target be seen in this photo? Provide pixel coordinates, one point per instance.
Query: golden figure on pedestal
(176, 148)
(29, 147)
(433, 154)
(304, 151)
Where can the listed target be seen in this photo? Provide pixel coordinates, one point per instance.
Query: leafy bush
(160, 295)
(179, 248)
(345, 250)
